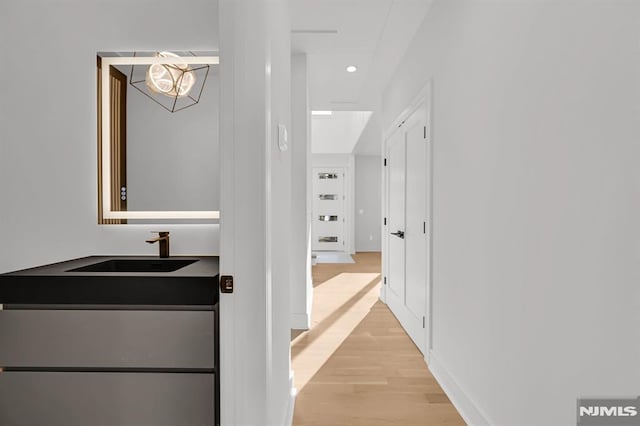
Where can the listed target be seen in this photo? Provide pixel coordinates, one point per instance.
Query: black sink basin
(136, 265)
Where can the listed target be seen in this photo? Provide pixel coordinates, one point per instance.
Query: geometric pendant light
(173, 86)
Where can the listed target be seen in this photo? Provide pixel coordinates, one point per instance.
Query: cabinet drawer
(106, 399)
(107, 339)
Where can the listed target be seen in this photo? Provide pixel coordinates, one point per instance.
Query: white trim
(469, 410)
(351, 204)
(291, 405)
(423, 95)
(383, 226)
(107, 213)
(427, 91)
(300, 321)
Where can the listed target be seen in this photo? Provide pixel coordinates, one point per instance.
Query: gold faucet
(163, 238)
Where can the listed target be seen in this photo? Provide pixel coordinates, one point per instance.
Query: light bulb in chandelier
(170, 79)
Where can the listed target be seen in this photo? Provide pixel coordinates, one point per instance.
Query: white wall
(48, 201)
(301, 281)
(255, 322)
(536, 242)
(368, 202)
(370, 142)
(348, 163)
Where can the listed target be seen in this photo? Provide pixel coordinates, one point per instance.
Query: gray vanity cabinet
(106, 399)
(81, 346)
(116, 339)
(126, 367)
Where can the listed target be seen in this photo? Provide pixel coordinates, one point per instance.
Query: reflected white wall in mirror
(172, 164)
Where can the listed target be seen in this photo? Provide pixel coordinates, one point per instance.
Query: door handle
(398, 234)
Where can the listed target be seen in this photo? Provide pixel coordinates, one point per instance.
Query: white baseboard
(469, 411)
(300, 321)
(288, 421)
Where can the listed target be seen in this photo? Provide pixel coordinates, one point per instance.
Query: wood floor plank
(376, 376)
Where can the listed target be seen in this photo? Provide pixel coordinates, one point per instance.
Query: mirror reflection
(163, 136)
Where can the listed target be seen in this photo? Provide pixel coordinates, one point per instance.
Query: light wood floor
(365, 263)
(368, 372)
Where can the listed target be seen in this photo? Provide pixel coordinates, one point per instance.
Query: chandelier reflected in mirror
(171, 84)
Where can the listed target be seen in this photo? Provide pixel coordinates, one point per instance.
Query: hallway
(357, 366)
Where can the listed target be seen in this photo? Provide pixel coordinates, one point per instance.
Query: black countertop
(195, 284)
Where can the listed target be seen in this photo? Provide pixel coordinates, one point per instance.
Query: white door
(407, 263)
(416, 226)
(395, 222)
(328, 209)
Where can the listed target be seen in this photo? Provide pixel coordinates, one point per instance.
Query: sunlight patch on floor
(339, 305)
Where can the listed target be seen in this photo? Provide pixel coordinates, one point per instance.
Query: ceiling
(370, 34)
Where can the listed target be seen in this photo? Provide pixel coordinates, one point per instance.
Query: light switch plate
(283, 138)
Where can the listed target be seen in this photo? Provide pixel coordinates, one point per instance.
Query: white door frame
(423, 97)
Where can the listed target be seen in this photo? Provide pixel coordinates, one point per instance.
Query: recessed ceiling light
(352, 68)
(321, 112)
